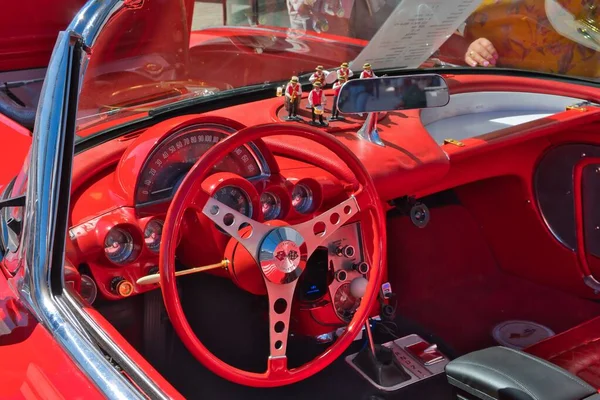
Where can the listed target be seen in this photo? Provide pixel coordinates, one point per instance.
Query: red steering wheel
(280, 252)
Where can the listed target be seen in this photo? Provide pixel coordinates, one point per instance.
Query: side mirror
(393, 93)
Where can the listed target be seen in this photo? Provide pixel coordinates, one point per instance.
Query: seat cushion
(503, 373)
(576, 350)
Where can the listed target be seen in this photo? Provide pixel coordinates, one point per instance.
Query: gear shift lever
(378, 362)
(358, 287)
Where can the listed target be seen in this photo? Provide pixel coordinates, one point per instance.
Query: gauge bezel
(148, 222)
(306, 208)
(89, 282)
(217, 181)
(136, 239)
(316, 193)
(244, 194)
(283, 193)
(278, 206)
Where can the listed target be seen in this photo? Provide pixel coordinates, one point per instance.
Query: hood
(29, 30)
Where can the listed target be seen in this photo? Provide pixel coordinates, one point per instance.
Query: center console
(399, 363)
(507, 374)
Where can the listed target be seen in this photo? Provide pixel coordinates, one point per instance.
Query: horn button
(282, 255)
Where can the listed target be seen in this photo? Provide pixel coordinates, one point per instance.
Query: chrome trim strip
(90, 20)
(73, 302)
(48, 153)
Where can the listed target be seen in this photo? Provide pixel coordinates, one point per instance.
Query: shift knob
(358, 287)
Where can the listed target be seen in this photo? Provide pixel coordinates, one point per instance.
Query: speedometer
(171, 160)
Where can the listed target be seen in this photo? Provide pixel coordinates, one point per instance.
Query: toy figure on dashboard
(344, 72)
(319, 75)
(293, 93)
(367, 72)
(335, 116)
(316, 101)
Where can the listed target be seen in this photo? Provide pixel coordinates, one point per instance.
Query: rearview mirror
(393, 93)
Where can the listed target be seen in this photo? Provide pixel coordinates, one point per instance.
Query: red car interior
(486, 256)
(576, 350)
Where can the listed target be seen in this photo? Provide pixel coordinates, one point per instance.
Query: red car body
(224, 57)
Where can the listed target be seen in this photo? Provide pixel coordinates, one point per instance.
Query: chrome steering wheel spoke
(280, 305)
(246, 231)
(282, 253)
(318, 229)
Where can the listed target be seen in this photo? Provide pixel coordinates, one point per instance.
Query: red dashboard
(121, 190)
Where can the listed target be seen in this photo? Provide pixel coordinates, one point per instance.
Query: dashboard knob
(341, 275)
(345, 251)
(121, 286)
(358, 287)
(361, 267)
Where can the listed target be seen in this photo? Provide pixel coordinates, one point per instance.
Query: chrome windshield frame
(44, 225)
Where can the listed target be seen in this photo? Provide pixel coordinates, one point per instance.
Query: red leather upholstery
(576, 350)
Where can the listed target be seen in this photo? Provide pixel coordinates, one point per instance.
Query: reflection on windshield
(160, 51)
(535, 35)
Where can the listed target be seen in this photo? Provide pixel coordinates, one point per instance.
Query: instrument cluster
(122, 245)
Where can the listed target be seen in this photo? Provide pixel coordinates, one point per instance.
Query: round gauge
(270, 205)
(345, 304)
(235, 198)
(153, 234)
(89, 290)
(302, 198)
(171, 160)
(118, 245)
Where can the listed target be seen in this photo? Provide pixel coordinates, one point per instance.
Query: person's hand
(481, 52)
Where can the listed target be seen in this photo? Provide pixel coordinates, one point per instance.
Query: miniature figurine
(319, 75)
(335, 116)
(344, 72)
(293, 93)
(316, 101)
(367, 72)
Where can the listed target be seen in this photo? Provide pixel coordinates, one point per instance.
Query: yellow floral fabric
(524, 37)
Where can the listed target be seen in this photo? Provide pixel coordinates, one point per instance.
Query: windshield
(157, 52)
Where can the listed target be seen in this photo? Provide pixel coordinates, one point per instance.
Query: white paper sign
(413, 32)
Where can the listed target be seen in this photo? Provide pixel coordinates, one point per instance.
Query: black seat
(507, 374)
